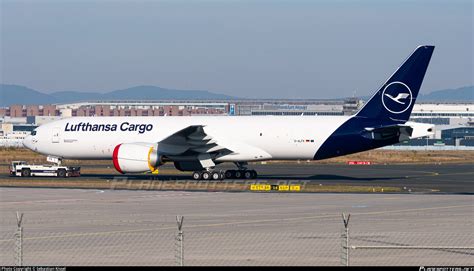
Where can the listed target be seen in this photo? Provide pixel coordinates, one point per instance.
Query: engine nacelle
(136, 157)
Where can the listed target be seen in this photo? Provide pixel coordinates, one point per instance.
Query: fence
(156, 246)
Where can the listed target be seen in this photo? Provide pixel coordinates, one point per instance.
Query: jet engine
(137, 157)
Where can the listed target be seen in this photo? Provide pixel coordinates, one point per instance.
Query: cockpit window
(33, 133)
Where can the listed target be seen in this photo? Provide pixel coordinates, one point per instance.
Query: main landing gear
(241, 173)
(209, 175)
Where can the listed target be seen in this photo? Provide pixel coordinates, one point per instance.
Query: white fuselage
(250, 138)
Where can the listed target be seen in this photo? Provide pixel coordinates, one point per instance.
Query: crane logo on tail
(399, 97)
(396, 97)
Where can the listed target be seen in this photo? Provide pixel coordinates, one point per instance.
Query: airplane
(199, 143)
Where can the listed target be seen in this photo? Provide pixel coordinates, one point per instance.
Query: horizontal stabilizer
(403, 132)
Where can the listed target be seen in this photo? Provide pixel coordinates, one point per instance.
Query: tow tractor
(23, 169)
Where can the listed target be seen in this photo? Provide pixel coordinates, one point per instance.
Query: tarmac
(95, 227)
(426, 178)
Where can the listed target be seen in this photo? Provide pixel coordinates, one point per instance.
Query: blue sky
(259, 49)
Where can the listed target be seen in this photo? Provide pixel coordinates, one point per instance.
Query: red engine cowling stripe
(115, 158)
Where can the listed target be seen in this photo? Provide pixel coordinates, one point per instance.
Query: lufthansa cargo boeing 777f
(143, 144)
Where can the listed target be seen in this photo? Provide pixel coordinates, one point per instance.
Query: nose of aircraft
(28, 142)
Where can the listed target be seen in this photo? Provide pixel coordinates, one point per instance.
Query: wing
(191, 140)
(194, 144)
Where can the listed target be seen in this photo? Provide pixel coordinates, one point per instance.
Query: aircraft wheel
(230, 174)
(197, 175)
(216, 175)
(206, 175)
(248, 174)
(254, 174)
(238, 174)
